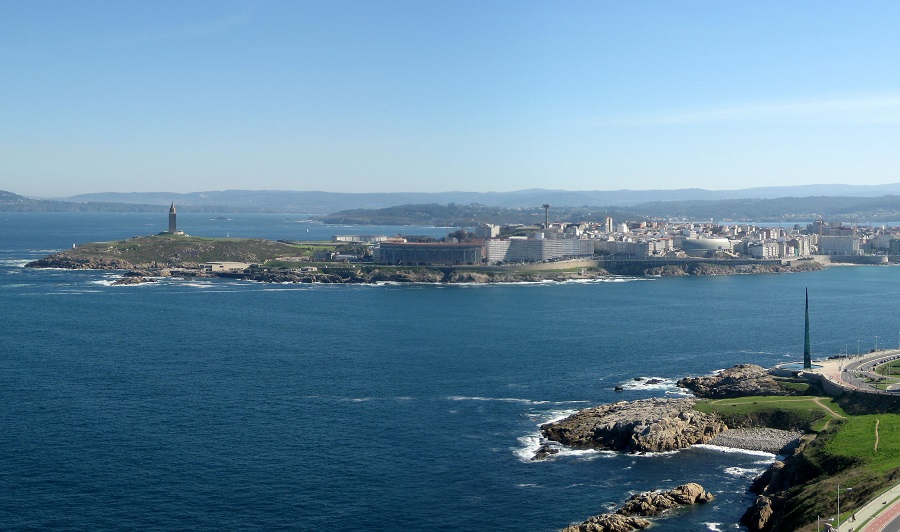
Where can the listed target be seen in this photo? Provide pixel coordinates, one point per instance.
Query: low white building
(229, 267)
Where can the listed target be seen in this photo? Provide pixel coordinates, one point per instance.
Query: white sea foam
(511, 400)
(530, 443)
(713, 526)
(197, 284)
(660, 384)
(17, 263)
(721, 449)
(743, 472)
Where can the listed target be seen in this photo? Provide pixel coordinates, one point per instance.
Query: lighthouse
(172, 225)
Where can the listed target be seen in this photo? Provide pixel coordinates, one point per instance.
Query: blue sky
(433, 96)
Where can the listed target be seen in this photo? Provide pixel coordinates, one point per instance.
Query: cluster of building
(491, 244)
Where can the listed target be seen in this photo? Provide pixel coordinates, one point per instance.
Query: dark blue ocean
(218, 404)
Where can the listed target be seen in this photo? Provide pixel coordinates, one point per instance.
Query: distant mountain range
(860, 203)
(315, 202)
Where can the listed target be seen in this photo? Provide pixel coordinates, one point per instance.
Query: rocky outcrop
(61, 260)
(701, 268)
(127, 280)
(646, 504)
(647, 425)
(651, 503)
(740, 381)
(759, 516)
(609, 523)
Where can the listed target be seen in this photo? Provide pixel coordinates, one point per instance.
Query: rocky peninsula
(292, 262)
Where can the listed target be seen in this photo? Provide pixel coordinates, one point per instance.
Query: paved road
(882, 514)
(863, 365)
(888, 521)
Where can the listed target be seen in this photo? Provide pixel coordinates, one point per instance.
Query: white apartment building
(839, 245)
(537, 249)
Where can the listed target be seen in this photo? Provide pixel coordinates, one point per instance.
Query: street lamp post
(839, 505)
(876, 342)
(857, 349)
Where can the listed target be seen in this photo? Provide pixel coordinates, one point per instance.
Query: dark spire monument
(807, 356)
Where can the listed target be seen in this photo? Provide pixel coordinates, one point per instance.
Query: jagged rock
(609, 523)
(545, 451)
(655, 502)
(759, 516)
(132, 280)
(647, 425)
(740, 381)
(647, 503)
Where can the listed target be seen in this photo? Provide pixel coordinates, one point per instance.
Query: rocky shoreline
(661, 424)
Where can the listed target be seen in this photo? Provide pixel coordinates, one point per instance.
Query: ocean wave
(536, 402)
(14, 263)
(531, 443)
(713, 527)
(660, 384)
(743, 472)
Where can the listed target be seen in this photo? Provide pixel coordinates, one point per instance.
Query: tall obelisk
(807, 357)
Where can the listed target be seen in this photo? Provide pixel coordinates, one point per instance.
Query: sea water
(210, 404)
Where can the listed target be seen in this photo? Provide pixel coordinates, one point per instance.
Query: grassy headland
(173, 251)
(841, 449)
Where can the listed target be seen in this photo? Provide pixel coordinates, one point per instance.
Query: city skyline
(428, 97)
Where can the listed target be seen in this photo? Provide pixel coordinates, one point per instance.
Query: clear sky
(430, 95)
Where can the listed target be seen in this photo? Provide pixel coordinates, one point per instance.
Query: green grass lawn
(798, 411)
(843, 453)
(892, 368)
(856, 440)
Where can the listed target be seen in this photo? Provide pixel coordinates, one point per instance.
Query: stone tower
(172, 226)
